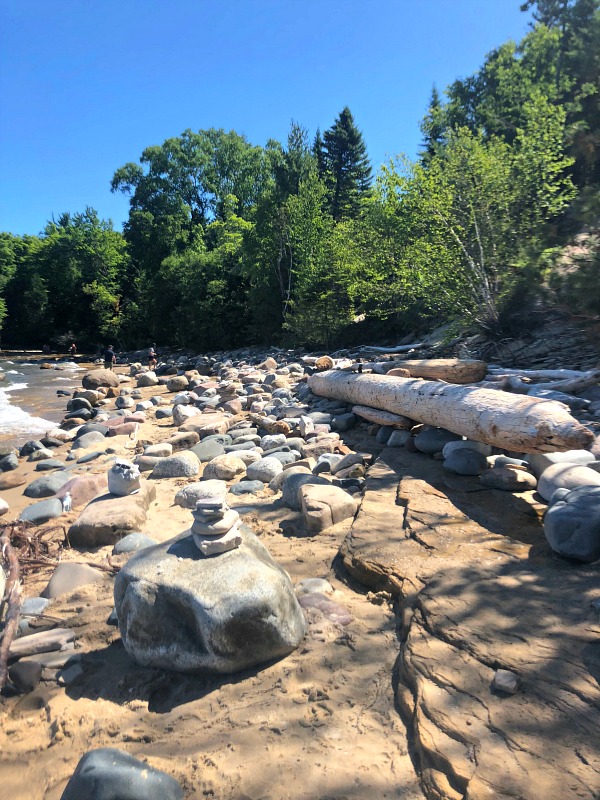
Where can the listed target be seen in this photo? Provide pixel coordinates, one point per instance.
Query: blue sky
(86, 85)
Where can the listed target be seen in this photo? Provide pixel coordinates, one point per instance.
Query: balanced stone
(215, 490)
(182, 611)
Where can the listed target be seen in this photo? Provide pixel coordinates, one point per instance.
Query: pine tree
(318, 153)
(433, 127)
(347, 170)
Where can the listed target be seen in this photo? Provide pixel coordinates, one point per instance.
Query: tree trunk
(383, 417)
(451, 370)
(513, 422)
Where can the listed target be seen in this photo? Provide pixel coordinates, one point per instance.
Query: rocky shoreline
(423, 633)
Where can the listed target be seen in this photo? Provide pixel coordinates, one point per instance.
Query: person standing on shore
(73, 350)
(110, 358)
(152, 357)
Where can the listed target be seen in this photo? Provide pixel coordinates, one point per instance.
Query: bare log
(12, 597)
(569, 385)
(402, 348)
(384, 417)
(539, 374)
(43, 642)
(451, 370)
(269, 425)
(514, 422)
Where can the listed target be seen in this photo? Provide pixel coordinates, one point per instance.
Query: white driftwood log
(513, 422)
(383, 417)
(451, 370)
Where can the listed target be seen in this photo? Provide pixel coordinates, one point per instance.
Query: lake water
(29, 405)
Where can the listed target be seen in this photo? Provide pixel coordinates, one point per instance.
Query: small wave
(14, 420)
(9, 362)
(63, 379)
(14, 387)
(27, 364)
(14, 372)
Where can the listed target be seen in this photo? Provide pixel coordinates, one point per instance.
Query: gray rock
(208, 449)
(572, 524)
(343, 422)
(88, 440)
(284, 456)
(182, 465)
(291, 487)
(40, 455)
(225, 468)
(201, 490)
(433, 440)
(49, 464)
(224, 613)
(70, 576)
(29, 447)
(398, 438)
(90, 457)
(132, 543)
(247, 487)
(41, 512)
(541, 461)
(384, 433)
(91, 426)
(146, 463)
(47, 485)
(508, 480)
(77, 403)
(164, 413)
(467, 444)
(505, 681)
(147, 379)
(264, 470)
(110, 774)
(565, 476)
(25, 675)
(161, 450)
(464, 461)
(9, 463)
(34, 606)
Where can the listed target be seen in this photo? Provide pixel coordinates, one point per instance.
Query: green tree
(346, 166)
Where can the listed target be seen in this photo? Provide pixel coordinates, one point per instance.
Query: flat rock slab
(474, 741)
(41, 512)
(108, 518)
(47, 485)
(415, 519)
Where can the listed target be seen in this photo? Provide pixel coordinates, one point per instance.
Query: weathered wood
(402, 348)
(44, 642)
(538, 374)
(451, 370)
(514, 422)
(384, 417)
(12, 596)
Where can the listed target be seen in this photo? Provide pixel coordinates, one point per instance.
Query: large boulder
(324, 506)
(109, 774)
(41, 512)
(291, 485)
(572, 524)
(182, 611)
(107, 519)
(264, 470)
(99, 377)
(177, 383)
(182, 413)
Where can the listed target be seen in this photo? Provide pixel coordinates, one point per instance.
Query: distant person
(46, 349)
(73, 350)
(110, 358)
(152, 357)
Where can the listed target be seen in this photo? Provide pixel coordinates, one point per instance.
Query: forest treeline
(229, 243)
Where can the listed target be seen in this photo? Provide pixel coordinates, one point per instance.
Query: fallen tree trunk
(451, 370)
(513, 422)
(538, 374)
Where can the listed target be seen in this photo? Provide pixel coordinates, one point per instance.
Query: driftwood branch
(12, 599)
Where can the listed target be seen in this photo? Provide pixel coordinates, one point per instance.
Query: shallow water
(29, 405)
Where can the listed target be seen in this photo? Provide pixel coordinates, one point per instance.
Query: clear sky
(86, 85)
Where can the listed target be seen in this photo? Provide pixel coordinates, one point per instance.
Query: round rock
(182, 611)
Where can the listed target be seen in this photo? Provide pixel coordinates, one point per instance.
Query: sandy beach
(331, 720)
